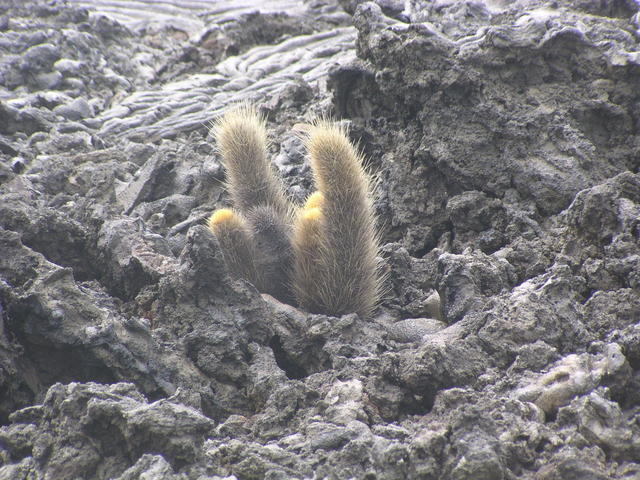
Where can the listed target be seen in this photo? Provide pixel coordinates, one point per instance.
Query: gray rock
(606, 211)
(477, 448)
(327, 437)
(138, 260)
(67, 66)
(414, 329)
(22, 470)
(575, 375)
(466, 281)
(47, 80)
(574, 464)
(445, 78)
(151, 467)
(613, 309)
(83, 329)
(75, 110)
(40, 58)
(172, 209)
(504, 140)
(601, 421)
(410, 282)
(27, 120)
(117, 419)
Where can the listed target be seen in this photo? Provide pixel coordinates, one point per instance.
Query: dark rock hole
(64, 365)
(417, 405)
(290, 368)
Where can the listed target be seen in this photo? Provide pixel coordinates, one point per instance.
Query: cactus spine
(348, 277)
(241, 137)
(325, 255)
(307, 242)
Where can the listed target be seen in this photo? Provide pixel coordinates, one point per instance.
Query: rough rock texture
(505, 136)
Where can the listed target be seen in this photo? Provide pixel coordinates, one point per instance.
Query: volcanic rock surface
(506, 139)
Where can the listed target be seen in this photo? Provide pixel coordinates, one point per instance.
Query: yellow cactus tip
(311, 214)
(315, 200)
(220, 216)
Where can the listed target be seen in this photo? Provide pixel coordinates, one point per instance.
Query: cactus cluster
(322, 255)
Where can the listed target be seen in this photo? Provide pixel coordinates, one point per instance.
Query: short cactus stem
(236, 243)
